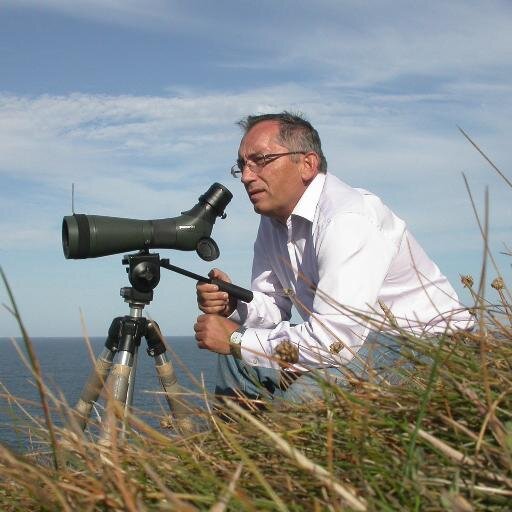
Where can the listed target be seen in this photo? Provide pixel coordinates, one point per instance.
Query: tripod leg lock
(130, 332)
(112, 341)
(156, 346)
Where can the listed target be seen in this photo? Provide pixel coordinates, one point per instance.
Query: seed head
(335, 348)
(287, 352)
(498, 283)
(467, 281)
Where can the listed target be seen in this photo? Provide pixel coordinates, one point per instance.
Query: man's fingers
(213, 294)
(209, 292)
(206, 287)
(212, 298)
(215, 273)
(213, 305)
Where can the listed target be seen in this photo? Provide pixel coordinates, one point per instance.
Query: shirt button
(254, 362)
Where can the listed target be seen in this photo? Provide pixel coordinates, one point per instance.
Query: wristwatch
(235, 342)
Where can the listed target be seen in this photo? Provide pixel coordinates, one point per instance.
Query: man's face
(274, 189)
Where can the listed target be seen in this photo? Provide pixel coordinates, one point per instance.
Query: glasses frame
(262, 161)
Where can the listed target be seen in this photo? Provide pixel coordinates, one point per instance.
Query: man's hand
(213, 333)
(213, 301)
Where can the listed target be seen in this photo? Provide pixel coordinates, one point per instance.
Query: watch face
(236, 336)
(235, 341)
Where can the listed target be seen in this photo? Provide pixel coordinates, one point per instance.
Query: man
(355, 274)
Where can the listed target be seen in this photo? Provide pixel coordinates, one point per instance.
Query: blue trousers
(379, 355)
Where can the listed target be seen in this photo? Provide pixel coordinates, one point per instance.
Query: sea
(66, 364)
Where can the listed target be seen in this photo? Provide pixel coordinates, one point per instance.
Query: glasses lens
(260, 160)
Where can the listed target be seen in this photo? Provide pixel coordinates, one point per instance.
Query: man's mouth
(253, 194)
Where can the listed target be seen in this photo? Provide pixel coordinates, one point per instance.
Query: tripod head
(143, 270)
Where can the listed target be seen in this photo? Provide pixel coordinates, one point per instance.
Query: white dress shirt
(348, 264)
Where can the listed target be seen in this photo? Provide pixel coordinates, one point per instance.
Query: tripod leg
(131, 380)
(118, 380)
(92, 387)
(116, 393)
(174, 393)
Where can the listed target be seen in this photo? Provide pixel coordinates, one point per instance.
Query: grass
(440, 441)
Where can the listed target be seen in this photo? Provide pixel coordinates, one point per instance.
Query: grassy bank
(441, 441)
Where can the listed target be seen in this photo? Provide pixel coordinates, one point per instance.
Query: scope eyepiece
(218, 197)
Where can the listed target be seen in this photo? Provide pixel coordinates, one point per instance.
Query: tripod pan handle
(236, 291)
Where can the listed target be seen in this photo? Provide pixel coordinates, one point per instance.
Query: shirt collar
(306, 207)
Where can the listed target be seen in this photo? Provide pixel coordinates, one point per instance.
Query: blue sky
(136, 102)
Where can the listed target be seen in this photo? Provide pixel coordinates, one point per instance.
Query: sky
(136, 103)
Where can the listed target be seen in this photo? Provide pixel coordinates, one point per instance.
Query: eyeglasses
(256, 162)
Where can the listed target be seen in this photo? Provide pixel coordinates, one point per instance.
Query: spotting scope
(91, 236)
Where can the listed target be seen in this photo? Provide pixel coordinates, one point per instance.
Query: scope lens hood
(75, 236)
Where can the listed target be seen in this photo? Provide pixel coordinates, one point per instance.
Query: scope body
(92, 236)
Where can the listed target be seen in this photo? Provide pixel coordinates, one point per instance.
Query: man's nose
(248, 174)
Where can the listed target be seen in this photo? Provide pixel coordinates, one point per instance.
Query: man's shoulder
(337, 198)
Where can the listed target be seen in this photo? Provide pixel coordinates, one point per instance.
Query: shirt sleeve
(353, 255)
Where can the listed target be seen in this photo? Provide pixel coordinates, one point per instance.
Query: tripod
(115, 367)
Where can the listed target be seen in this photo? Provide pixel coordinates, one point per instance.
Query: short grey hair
(295, 133)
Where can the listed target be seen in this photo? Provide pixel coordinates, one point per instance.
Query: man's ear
(310, 167)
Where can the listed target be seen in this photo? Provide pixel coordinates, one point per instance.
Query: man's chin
(260, 206)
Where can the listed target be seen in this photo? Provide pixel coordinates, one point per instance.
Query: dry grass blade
(497, 427)
(12, 399)
(317, 471)
(36, 370)
(221, 505)
(479, 299)
(118, 474)
(450, 452)
(253, 467)
(173, 500)
(485, 156)
(38, 479)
